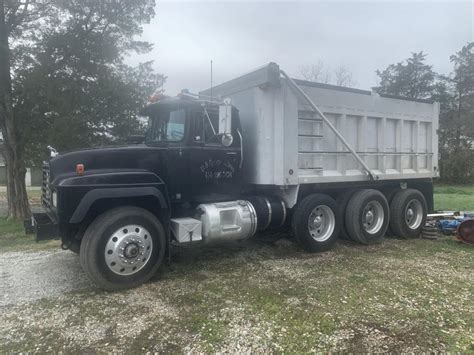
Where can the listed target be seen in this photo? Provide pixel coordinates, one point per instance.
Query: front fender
(120, 192)
(77, 194)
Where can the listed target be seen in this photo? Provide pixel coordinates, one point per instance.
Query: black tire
(99, 233)
(400, 225)
(342, 200)
(357, 224)
(389, 195)
(75, 246)
(300, 223)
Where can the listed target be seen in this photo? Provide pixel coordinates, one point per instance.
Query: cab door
(214, 168)
(176, 157)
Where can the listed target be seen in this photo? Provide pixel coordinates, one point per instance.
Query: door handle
(231, 153)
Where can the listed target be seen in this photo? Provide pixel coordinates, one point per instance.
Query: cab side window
(198, 127)
(205, 124)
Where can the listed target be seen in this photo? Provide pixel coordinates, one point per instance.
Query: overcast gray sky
(241, 35)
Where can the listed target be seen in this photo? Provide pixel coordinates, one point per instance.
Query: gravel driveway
(27, 277)
(264, 295)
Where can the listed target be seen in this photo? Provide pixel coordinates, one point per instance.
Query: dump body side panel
(286, 143)
(396, 138)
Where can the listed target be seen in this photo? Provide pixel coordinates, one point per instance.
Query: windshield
(167, 126)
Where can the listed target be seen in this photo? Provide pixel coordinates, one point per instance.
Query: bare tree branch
(343, 76)
(318, 72)
(315, 72)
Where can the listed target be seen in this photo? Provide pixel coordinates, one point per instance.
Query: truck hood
(137, 157)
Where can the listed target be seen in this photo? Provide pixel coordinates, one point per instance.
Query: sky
(239, 36)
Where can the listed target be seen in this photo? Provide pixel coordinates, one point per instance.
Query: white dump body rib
(287, 143)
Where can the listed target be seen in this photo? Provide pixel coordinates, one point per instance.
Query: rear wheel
(122, 248)
(408, 213)
(367, 216)
(316, 222)
(342, 201)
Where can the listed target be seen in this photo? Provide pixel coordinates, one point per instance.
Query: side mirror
(225, 117)
(227, 140)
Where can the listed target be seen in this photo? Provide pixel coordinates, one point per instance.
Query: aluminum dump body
(286, 143)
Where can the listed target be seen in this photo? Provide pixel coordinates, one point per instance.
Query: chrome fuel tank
(225, 221)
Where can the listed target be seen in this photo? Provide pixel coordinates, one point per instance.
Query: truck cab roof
(173, 102)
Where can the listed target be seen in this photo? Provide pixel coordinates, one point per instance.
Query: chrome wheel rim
(321, 223)
(414, 214)
(373, 217)
(128, 249)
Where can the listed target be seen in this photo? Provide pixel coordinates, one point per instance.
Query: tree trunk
(18, 206)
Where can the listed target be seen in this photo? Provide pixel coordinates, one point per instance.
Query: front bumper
(43, 226)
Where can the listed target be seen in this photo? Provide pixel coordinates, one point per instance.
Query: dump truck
(261, 151)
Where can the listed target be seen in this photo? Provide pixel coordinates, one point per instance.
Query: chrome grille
(45, 188)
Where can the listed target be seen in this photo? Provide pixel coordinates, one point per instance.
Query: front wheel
(123, 248)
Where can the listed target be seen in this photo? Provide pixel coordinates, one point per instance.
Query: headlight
(54, 199)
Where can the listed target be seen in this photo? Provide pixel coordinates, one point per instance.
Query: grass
(454, 197)
(13, 238)
(34, 194)
(12, 233)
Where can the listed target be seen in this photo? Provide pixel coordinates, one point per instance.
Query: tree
(415, 79)
(315, 72)
(70, 85)
(411, 78)
(343, 76)
(457, 121)
(14, 17)
(319, 73)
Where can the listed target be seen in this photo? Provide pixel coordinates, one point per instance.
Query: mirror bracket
(225, 117)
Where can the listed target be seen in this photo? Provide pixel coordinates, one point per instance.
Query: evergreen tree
(411, 78)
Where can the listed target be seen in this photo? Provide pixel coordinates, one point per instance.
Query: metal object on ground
(430, 230)
(465, 231)
(441, 215)
(448, 226)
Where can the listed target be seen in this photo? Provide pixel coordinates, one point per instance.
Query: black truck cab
(187, 158)
(201, 162)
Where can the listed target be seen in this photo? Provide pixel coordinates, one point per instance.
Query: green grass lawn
(454, 197)
(12, 233)
(13, 238)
